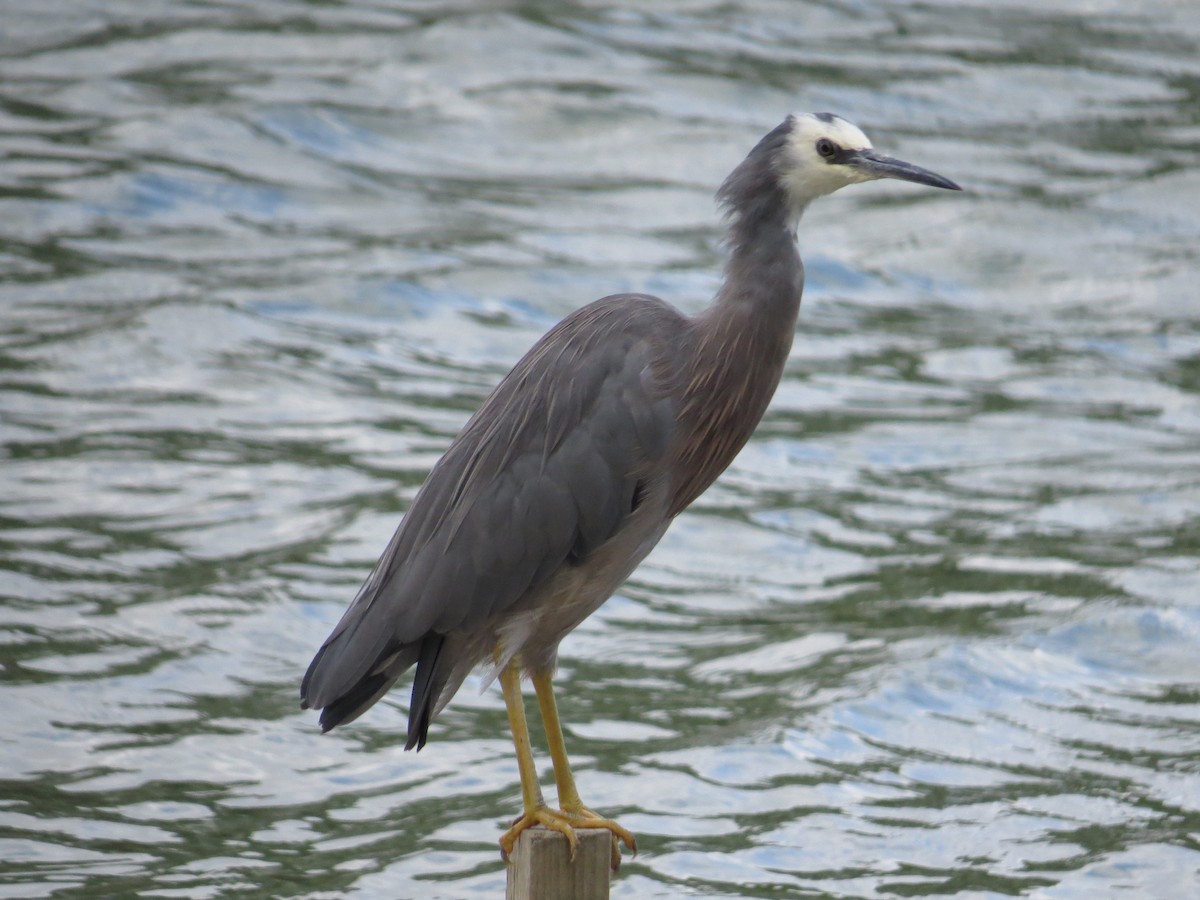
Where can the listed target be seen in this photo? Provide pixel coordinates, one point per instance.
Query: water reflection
(933, 633)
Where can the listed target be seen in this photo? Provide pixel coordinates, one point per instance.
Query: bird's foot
(566, 822)
(586, 818)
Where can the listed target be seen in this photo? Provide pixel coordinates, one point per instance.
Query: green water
(936, 632)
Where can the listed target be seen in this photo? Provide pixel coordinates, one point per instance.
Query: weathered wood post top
(541, 868)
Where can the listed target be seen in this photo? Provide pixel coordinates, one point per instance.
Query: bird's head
(823, 152)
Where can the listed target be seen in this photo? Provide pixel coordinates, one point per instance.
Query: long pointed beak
(876, 165)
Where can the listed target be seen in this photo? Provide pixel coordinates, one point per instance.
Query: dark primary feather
(544, 473)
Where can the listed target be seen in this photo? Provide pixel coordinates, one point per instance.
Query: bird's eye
(826, 148)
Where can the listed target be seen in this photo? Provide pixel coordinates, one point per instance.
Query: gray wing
(545, 472)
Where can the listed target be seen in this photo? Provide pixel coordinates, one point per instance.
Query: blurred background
(936, 632)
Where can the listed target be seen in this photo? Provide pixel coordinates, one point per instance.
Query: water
(936, 630)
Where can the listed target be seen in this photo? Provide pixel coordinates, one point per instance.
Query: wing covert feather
(545, 469)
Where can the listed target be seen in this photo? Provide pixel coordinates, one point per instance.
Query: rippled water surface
(937, 631)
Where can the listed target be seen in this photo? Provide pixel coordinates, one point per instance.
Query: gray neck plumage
(764, 272)
(741, 341)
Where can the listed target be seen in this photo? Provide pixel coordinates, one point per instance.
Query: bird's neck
(742, 344)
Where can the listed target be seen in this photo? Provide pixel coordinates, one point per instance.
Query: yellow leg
(533, 808)
(531, 791)
(568, 795)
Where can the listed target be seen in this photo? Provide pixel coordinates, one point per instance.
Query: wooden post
(541, 868)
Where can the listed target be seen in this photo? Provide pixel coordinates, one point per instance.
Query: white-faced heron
(571, 471)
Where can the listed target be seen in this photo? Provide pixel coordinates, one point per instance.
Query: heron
(575, 465)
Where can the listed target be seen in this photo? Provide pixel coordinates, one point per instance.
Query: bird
(571, 471)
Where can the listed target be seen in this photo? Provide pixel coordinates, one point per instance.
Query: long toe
(582, 817)
(544, 816)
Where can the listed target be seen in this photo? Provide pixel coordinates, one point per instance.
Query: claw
(565, 822)
(547, 818)
(586, 818)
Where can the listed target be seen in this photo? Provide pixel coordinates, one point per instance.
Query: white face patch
(806, 174)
